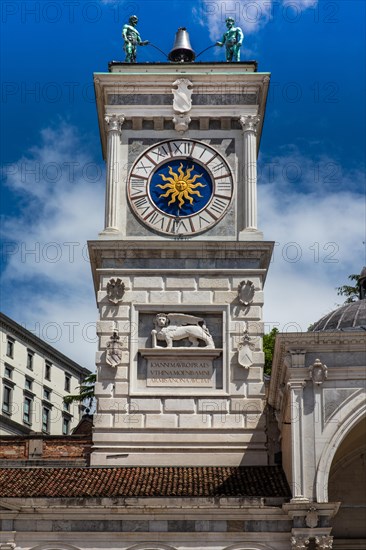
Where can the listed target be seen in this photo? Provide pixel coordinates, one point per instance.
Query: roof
(347, 317)
(249, 481)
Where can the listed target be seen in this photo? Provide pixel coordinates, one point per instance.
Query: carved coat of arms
(246, 292)
(182, 101)
(245, 352)
(114, 350)
(115, 290)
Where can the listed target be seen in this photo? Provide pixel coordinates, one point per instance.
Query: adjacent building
(35, 378)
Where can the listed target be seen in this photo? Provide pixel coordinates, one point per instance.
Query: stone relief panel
(179, 327)
(179, 350)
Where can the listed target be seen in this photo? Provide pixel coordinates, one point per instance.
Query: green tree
(268, 348)
(86, 392)
(350, 291)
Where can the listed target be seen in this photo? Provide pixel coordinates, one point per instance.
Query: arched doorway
(347, 482)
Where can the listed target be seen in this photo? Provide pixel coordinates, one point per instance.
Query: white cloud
(47, 281)
(300, 4)
(250, 15)
(319, 237)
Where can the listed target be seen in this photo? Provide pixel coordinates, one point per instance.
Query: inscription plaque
(181, 373)
(191, 368)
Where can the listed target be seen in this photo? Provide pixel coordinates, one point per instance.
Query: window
(30, 355)
(8, 372)
(28, 384)
(47, 371)
(67, 382)
(66, 407)
(45, 419)
(27, 410)
(7, 395)
(10, 347)
(46, 393)
(65, 426)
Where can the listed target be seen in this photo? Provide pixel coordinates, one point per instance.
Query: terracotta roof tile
(249, 481)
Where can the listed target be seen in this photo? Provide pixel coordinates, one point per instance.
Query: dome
(347, 317)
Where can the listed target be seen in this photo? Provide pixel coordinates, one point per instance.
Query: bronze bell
(182, 51)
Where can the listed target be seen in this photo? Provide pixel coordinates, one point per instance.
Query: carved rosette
(324, 542)
(115, 290)
(299, 543)
(249, 123)
(114, 350)
(318, 372)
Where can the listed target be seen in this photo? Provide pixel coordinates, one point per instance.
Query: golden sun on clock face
(180, 187)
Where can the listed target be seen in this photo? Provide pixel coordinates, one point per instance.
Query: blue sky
(311, 165)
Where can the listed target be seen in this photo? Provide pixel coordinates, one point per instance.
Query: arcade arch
(335, 433)
(347, 482)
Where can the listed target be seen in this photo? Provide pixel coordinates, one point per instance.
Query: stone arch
(346, 484)
(352, 413)
(151, 546)
(249, 546)
(55, 546)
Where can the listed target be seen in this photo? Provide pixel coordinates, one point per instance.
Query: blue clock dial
(181, 187)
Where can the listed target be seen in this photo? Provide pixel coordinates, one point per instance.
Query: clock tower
(179, 267)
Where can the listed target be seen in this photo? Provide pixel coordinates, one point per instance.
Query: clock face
(180, 187)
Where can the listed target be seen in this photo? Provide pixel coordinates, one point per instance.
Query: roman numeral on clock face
(181, 148)
(137, 186)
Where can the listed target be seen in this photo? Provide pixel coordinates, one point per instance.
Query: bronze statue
(232, 39)
(132, 38)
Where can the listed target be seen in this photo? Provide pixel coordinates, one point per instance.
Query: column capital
(299, 543)
(324, 542)
(114, 123)
(249, 123)
(296, 384)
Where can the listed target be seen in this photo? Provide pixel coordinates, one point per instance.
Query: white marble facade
(211, 412)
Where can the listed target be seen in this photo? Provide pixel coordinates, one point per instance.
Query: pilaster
(297, 405)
